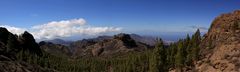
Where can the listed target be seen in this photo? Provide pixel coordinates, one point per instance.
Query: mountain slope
(220, 48)
(109, 46)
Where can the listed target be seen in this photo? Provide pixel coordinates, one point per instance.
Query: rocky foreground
(220, 47)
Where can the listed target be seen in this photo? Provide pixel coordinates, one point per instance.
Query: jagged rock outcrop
(11, 45)
(126, 39)
(28, 43)
(108, 47)
(220, 47)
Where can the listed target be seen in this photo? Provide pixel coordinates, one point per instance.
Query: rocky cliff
(220, 47)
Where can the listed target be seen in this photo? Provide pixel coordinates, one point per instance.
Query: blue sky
(133, 16)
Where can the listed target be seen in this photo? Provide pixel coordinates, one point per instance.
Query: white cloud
(14, 30)
(64, 28)
(62, 24)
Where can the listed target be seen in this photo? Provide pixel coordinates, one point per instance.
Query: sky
(49, 19)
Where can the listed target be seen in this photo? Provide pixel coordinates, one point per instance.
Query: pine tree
(185, 45)
(179, 58)
(196, 39)
(171, 58)
(158, 59)
(188, 49)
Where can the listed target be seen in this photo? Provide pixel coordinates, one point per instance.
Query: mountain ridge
(220, 46)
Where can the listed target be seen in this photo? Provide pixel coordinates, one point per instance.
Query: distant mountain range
(101, 45)
(77, 47)
(60, 41)
(149, 40)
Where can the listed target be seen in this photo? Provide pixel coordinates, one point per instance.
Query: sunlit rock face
(220, 48)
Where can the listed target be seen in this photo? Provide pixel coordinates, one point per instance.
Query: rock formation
(220, 47)
(120, 43)
(11, 45)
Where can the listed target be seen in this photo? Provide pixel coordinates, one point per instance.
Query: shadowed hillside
(16, 51)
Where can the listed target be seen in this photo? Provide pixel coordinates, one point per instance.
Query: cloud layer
(64, 28)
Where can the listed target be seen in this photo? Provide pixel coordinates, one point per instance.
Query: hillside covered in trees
(121, 53)
(23, 48)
